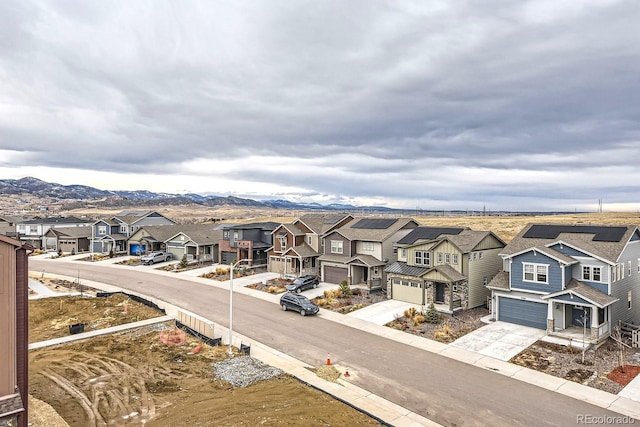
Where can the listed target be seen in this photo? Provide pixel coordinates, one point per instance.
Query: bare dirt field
(132, 378)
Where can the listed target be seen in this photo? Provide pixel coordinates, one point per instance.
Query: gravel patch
(244, 370)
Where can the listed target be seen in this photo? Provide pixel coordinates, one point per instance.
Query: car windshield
(303, 300)
(298, 281)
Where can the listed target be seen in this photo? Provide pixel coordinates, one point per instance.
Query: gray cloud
(518, 105)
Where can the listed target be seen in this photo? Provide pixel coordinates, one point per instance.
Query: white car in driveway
(154, 257)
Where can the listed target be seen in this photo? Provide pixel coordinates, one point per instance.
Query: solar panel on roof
(332, 219)
(601, 233)
(374, 223)
(428, 233)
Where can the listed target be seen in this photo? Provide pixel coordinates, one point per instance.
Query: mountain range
(71, 194)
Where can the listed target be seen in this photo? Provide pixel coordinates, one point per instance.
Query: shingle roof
(450, 272)
(585, 291)
(374, 234)
(303, 250)
(608, 250)
(500, 281)
(293, 229)
(368, 260)
(75, 232)
(322, 223)
(268, 225)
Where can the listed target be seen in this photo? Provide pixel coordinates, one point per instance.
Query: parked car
(154, 257)
(303, 282)
(300, 303)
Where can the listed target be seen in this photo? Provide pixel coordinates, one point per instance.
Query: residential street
(441, 389)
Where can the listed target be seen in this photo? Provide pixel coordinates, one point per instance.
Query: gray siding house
(448, 267)
(564, 278)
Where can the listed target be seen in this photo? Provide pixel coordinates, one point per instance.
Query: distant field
(506, 227)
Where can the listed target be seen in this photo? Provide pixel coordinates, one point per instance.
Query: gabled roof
(322, 223)
(303, 250)
(291, 228)
(428, 233)
(367, 260)
(586, 292)
(131, 217)
(448, 271)
(406, 270)
(73, 232)
(602, 241)
(373, 231)
(469, 239)
(200, 234)
(550, 252)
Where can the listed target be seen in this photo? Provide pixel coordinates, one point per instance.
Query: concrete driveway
(500, 340)
(382, 312)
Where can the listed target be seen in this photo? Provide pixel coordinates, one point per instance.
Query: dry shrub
(322, 302)
(410, 313)
(332, 294)
(275, 289)
(417, 319)
(443, 333)
(220, 271)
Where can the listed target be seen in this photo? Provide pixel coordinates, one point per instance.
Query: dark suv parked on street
(300, 303)
(302, 283)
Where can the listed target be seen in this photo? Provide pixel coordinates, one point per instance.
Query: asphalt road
(444, 390)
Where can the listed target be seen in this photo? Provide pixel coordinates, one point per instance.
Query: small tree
(59, 252)
(345, 289)
(111, 253)
(183, 261)
(432, 315)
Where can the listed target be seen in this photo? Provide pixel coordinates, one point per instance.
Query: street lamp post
(233, 266)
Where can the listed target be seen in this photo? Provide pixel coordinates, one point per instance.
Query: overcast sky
(508, 105)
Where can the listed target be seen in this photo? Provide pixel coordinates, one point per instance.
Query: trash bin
(76, 328)
(245, 349)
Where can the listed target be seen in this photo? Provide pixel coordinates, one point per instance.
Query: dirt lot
(132, 378)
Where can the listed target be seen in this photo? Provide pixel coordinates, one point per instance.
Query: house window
(455, 259)
(367, 246)
(621, 271)
(123, 229)
(403, 254)
(586, 273)
(638, 265)
(629, 300)
(225, 234)
(283, 242)
(309, 240)
(236, 235)
(597, 274)
(537, 273)
(439, 257)
(102, 229)
(336, 246)
(629, 267)
(33, 229)
(455, 288)
(376, 270)
(447, 258)
(480, 255)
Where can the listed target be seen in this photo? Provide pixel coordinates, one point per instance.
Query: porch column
(594, 324)
(550, 321)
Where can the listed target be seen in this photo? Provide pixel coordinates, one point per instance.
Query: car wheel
(284, 307)
(303, 313)
(150, 262)
(315, 285)
(299, 290)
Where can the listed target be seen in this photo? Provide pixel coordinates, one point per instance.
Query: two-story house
(358, 251)
(111, 234)
(33, 231)
(448, 267)
(297, 246)
(14, 327)
(568, 278)
(246, 241)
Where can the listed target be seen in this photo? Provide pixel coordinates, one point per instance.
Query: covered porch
(446, 288)
(298, 261)
(579, 313)
(366, 271)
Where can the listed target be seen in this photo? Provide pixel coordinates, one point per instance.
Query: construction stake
(328, 360)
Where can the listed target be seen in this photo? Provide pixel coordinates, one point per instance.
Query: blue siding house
(570, 278)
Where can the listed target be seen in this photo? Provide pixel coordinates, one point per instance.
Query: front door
(439, 292)
(581, 316)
